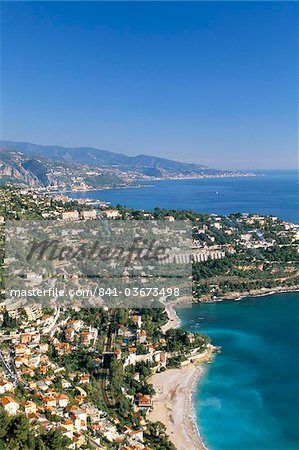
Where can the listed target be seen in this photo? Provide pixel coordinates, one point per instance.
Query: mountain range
(88, 167)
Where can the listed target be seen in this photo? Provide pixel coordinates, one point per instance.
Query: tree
(18, 429)
(156, 436)
(39, 444)
(54, 440)
(4, 423)
(8, 321)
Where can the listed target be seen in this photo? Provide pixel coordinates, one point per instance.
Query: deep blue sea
(248, 398)
(272, 192)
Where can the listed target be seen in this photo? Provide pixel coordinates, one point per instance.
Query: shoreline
(173, 405)
(140, 186)
(175, 322)
(173, 402)
(236, 296)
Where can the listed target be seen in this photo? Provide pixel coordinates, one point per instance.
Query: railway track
(107, 354)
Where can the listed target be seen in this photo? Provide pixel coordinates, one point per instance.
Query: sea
(269, 192)
(248, 397)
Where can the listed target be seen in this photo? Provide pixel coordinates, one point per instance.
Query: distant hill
(19, 168)
(87, 167)
(148, 165)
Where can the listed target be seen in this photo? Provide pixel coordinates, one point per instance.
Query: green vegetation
(8, 321)
(235, 254)
(105, 179)
(16, 434)
(157, 438)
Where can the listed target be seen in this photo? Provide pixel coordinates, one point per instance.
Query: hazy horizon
(212, 83)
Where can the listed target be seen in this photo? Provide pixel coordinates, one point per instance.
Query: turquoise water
(248, 398)
(274, 193)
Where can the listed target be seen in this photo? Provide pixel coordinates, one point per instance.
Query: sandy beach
(173, 319)
(172, 405)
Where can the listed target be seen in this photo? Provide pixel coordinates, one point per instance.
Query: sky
(207, 82)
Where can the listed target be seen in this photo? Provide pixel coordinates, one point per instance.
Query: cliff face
(18, 174)
(19, 168)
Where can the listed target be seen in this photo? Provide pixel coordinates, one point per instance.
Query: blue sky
(208, 82)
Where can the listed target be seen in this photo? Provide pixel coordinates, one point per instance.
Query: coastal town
(65, 374)
(84, 378)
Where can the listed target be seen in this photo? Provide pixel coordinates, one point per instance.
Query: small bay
(248, 397)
